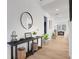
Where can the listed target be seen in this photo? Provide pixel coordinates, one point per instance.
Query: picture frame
(28, 35)
(64, 27)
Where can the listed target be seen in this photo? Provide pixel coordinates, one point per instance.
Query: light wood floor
(54, 49)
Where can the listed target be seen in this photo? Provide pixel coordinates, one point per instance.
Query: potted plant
(34, 33)
(45, 38)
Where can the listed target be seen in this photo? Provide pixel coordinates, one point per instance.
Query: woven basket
(21, 53)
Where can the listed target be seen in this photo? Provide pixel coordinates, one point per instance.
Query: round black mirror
(26, 20)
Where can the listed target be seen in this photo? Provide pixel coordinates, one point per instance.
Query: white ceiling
(51, 5)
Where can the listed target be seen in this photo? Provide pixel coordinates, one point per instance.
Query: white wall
(15, 8)
(50, 30)
(70, 39)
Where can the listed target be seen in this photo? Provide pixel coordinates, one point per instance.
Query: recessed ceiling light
(57, 9)
(40, 0)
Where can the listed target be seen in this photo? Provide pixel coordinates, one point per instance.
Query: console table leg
(41, 42)
(28, 46)
(11, 52)
(37, 40)
(32, 47)
(15, 52)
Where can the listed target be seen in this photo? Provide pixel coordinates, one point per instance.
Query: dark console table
(16, 43)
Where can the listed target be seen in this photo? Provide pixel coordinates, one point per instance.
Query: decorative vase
(34, 35)
(45, 41)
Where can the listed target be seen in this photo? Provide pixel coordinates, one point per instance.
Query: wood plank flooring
(54, 49)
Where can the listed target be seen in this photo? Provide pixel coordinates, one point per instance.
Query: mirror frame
(21, 19)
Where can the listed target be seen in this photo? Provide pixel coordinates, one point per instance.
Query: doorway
(45, 24)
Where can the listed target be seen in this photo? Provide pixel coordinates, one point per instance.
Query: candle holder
(14, 36)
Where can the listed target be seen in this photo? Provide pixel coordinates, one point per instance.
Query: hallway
(54, 49)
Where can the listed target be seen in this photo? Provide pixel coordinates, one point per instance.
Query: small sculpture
(14, 36)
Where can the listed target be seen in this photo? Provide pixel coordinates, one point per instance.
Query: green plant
(45, 36)
(34, 33)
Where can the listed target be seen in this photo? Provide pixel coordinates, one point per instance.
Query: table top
(23, 40)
